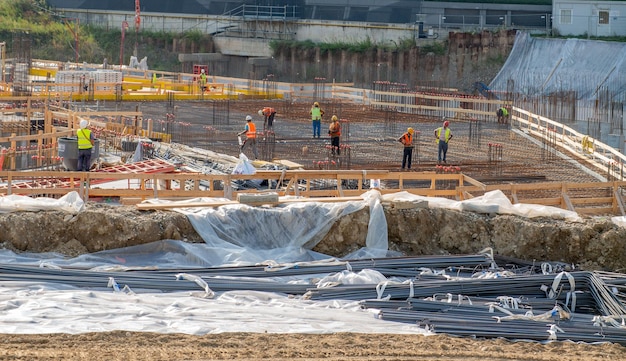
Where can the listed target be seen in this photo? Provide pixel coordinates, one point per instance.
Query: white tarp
(494, 202)
(47, 308)
(240, 234)
(70, 203)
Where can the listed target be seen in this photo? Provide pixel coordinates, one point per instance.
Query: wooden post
(13, 151)
(39, 148)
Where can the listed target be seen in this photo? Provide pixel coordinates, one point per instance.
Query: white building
(591, 18)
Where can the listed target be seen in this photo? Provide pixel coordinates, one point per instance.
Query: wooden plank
(536, 186)
(617, 194)
(595, 211)
(542, 201)
(289, 164)
(587, 185)
(567, 202)
(474, 182)
(600, 200)
(149, 206)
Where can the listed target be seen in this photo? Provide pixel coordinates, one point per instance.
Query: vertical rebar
(475, 132)
(267, 144)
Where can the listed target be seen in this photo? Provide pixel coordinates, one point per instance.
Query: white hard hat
(248, 117)
(84, 123)
(202, 70)
(260, 111)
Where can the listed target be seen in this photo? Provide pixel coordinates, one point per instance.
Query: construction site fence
(606, 159)
(594, 198)
(34, 151)
(304, 183)
(591, 198)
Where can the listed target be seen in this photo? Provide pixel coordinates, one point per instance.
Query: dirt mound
(596, 243)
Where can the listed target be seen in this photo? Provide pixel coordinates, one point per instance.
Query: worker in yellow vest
(503, 114)
(202, 80)
(316, 119)
(85, 145)
(443, 136)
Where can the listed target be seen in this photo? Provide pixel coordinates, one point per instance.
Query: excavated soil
(595, 244)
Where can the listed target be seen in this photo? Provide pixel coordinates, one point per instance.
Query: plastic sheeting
(52, 308)
(240, 234)
(494, 202)
(620, 221)
(539, 66)
(71, 203)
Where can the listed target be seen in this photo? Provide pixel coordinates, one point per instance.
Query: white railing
(597, 153)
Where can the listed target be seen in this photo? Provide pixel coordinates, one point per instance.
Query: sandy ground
(245, 346)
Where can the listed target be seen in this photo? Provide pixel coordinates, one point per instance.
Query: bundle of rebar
(466, 295)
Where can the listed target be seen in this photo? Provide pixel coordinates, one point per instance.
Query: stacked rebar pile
(460, 295)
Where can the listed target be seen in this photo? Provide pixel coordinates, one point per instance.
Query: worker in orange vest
(268, 113)
(250, 132)
(334, 130)
(407, 140)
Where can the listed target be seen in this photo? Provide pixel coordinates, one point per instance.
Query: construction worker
(407, 140)
(503, 114)
(443, 136)
(85, 145)
(316, 119)
(202, 80)
(268, 113)
(250, 132)
(334, 130)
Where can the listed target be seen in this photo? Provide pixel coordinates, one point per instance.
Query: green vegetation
(437, 48)
(359, 47)
(279, 46)
(54, 37)
(496, 61)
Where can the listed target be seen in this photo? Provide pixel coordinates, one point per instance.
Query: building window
(566, 16)
(603, 17)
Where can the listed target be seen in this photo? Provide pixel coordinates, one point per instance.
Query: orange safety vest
(251, 131)
(407, 139)
(268, 111)
(335, 129)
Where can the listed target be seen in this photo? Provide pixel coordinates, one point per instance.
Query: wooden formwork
(590, 198)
